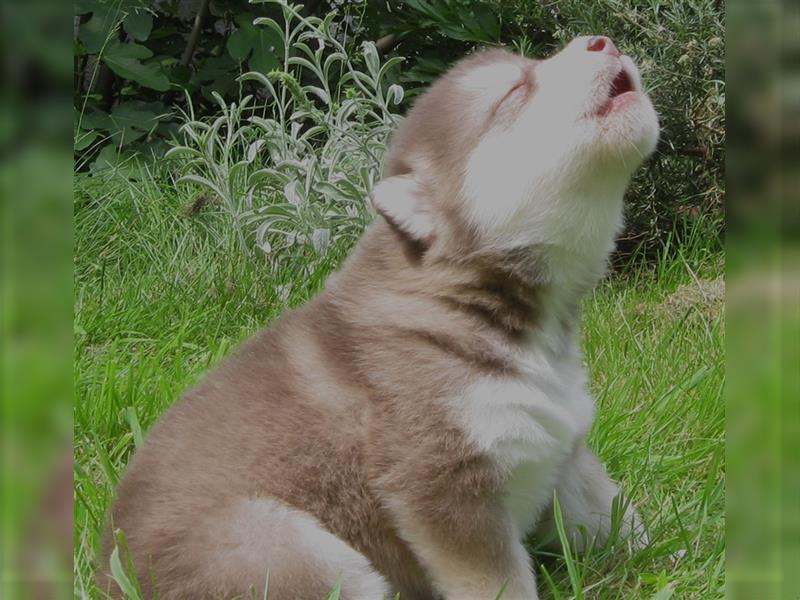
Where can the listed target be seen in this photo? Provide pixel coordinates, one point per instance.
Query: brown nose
(601, 43)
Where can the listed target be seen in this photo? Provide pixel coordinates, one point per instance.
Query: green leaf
(129, 50)
(84, 139)
(371, 57)
(94, 33)
(272, 24)
(569, 559)
(395, 94)
(264, 62)
(95, 120)
(205, 182)
(239, 44)
(216, 73)
(261, 45)
(123, 162)
(178, 73)
(130, 121)
(336, 592)
(138, 25)
(478, 23)
(106, 463)
(127, 123)
(133, 423)
(215, 68)
(119, 573)
(488, 22)
(665, 593)
(125, 61)
(426, 69)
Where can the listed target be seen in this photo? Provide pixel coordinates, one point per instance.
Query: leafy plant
(295, 177)
(461, 20)
(135, 56)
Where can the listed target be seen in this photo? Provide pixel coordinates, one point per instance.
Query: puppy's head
(504, 150)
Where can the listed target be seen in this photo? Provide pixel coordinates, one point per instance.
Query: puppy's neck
(515, 295)
(500, 289)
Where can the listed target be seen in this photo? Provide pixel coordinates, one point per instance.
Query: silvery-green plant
(297, 175)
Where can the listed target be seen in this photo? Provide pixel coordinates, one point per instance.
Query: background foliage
(143, 69)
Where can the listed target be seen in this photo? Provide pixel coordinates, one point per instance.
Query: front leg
(586, 495)
(452, 516)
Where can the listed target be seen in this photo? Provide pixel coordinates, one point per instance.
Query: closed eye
(516, 93)
(518, 87)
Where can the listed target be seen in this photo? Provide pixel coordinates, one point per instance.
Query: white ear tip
(389, 189)
(399, 200)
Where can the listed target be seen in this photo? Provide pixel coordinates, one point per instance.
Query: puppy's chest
(528, 424)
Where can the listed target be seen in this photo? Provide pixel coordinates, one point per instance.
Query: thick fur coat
(407, 427)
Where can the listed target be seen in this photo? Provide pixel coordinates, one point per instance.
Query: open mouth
(622, 83)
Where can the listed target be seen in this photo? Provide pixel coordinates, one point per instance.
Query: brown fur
(336, 410)
(313, 410)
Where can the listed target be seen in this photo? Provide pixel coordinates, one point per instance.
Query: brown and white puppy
(402, 431)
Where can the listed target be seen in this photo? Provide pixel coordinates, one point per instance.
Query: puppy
(405, 429)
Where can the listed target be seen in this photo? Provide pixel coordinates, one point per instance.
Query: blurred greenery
(35, 303)
(763, 302)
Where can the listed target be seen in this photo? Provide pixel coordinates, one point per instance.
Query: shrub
(295, 177)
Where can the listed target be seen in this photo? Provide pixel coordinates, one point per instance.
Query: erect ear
(401, 200)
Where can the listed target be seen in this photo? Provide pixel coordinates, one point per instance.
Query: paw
(633, 530)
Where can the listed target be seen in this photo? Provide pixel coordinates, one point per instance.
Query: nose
(601, 43)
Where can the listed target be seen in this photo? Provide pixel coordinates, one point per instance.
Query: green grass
(161, 296)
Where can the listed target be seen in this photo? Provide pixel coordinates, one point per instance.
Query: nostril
(596, 44)
(601, 43)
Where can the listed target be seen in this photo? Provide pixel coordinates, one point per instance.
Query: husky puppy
(405, 429)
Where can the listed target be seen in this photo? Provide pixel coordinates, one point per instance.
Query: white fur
(554, 179)
(586, 494)
(398, 199)
(457, 578)
(490, 83)
(557, 174)
(258, 532)
(532, 427)
(529, 425)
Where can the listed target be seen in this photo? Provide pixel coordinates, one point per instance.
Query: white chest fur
(528, 425)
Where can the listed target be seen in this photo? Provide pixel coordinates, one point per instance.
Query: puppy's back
(261, 422)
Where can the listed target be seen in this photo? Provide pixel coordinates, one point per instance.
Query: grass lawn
(161, 296)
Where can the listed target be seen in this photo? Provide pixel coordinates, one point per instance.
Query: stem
(386, 43)
(665, 146)
(194, 36)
